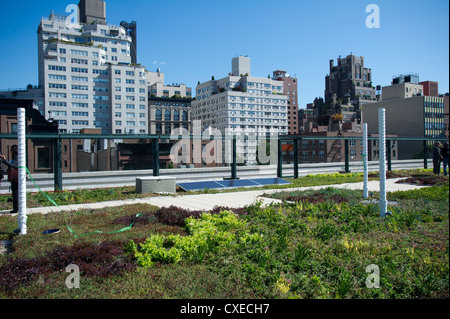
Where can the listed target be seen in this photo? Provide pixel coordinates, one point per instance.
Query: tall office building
(238, 105)
(88, 76)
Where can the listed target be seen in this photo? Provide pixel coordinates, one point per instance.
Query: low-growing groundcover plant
(208, 234)
(322, 250)
(302, 248)
(99, 261)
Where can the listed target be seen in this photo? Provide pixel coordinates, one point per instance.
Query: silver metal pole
(365, 160)
(22, 216)
(382, 151)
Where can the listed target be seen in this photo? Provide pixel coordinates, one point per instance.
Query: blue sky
(192, 40)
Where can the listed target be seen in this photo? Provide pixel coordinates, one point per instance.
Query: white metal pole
(382, 156)
(365, 159)
(22, 217)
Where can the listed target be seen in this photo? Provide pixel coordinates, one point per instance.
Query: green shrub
(208, 233)
(436, 193)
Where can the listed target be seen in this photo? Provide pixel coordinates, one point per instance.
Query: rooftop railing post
(388, 155)
(280, 160)
(57, 160)
(155, 146)
(347, 158)
(233, 163)
(295, 158)
(425, 155)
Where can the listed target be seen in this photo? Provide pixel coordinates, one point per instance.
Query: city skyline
(192, 41)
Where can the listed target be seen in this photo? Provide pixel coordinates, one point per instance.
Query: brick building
(290, 89)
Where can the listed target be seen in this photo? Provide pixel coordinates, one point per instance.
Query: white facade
(240, 66)
(88, 79)
(157, 88)
(255, 103)
(242, 106)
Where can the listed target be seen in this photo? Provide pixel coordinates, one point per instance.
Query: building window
(80, 122)
(167, 128)
(43, 158)
(167, 115)
(158, 115)
(176, 116)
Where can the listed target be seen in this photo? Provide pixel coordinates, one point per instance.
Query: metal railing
(108, 179)
(232, 167)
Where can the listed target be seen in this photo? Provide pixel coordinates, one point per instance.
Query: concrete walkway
(209, 201)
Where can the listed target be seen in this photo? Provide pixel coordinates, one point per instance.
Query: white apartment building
(157, 87)
(88, 79)
(242, 106)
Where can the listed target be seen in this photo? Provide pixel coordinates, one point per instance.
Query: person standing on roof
(437, 158)
(445, 155)
(13, 176)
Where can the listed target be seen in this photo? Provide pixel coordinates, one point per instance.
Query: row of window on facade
(168, 127)
(170, 104)
(96, 55)
(168, 115)
(321, 154)
(351, 143)
(62, 77)
(94, 71)
(95, 97)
